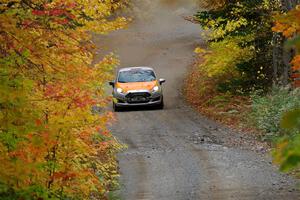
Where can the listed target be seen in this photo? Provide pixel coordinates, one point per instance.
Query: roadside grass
(230, 110)
(268, 109)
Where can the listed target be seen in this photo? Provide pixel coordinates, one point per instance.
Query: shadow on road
(139, 108)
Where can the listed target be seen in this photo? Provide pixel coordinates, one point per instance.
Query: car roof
(135, 68)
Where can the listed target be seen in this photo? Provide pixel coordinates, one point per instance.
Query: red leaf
(39, 12)
(38, 122)
(56, 12)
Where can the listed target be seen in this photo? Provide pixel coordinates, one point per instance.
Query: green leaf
(291, 162)
(291, 119)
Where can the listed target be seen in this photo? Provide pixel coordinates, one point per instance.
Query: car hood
(137, 85)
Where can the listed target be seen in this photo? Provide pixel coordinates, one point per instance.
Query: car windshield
(136, 75)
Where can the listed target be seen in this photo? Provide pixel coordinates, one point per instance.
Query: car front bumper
(123, 100)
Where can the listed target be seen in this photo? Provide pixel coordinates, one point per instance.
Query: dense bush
(287, 151)
(267, 110)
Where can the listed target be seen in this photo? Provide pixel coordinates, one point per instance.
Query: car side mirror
(161, 81)
(111, 83)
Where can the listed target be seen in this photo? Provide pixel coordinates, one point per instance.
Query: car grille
(138, 97)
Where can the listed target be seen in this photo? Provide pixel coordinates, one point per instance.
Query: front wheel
(161, 105)
(115, 107)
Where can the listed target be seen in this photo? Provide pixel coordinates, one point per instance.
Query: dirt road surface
(175, 154)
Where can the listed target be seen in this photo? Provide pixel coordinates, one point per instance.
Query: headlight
(155, 89)
(119, 90)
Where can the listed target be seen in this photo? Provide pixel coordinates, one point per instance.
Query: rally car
(137, 86)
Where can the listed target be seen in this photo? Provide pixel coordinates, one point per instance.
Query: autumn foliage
(239, 37)
(51, 144)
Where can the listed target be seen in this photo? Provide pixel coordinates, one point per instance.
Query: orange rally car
(137, 86)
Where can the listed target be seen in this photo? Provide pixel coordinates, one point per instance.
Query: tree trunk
(282, 56)
(277, 41)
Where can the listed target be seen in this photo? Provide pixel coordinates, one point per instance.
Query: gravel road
(176, 154)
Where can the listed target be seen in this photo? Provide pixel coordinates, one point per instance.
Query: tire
(161, 105)
(115, 107)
